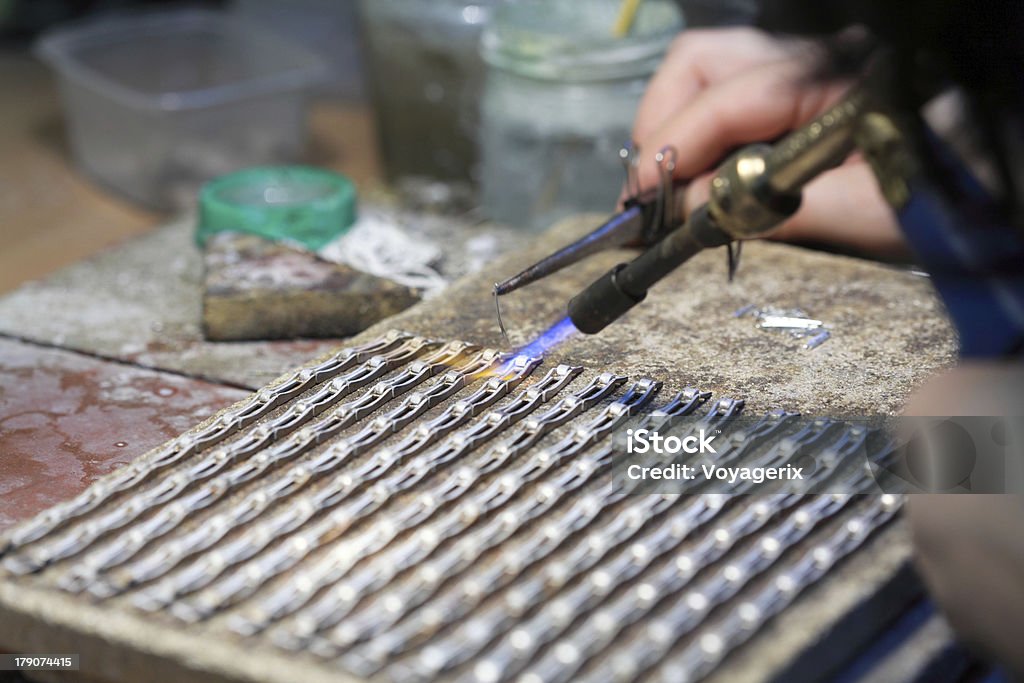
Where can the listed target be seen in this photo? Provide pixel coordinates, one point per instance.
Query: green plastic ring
(298, 203)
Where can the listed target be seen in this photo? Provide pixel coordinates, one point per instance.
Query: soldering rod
(626, 285)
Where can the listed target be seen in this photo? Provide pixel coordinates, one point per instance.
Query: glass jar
(425, 74)
(558, 104)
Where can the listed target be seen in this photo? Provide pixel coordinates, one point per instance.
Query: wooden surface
(51, 215)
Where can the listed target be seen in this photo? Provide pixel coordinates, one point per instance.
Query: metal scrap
(791, 321)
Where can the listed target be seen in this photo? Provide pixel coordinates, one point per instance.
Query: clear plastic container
(158, 103)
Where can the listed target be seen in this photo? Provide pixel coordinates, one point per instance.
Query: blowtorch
(966, 234)
(753, 191)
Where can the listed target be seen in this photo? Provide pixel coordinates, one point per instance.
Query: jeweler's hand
(722, 88)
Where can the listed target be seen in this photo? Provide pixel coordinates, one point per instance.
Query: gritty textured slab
(256, 289)
(889, 334)
(889, 331)
(67, 419)
(141, 303)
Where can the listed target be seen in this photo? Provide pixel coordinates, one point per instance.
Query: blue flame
(550, 338)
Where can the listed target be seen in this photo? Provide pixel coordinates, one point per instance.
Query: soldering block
(258, 289)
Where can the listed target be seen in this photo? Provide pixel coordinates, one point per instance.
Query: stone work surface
(139, 306)
(889, 331)
(141, 303)
(410, 508)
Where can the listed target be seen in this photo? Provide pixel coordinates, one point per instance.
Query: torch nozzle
(612, 295)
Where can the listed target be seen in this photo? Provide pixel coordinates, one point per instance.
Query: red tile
(68, 418)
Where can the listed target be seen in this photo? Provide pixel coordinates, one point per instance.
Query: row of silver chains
(410, 508)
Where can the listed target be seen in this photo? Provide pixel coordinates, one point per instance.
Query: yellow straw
(627, 14)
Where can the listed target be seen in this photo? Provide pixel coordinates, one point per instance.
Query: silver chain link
(518, 647)
(690, 609)
(242, 581)
(339, 601)
(719, 639)
(468, 639)
(381, 461)
(285, 484)
(423, 506)
(167, 490)
(401, 600)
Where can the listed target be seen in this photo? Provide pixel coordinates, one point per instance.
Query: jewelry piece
(411, 508)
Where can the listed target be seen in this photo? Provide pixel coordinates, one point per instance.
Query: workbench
(104, 360)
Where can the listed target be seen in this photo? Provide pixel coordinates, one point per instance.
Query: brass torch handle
(816, 147)
(760, 186)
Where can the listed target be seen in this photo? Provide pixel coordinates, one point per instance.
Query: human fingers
(759, 104)
(698, 59)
